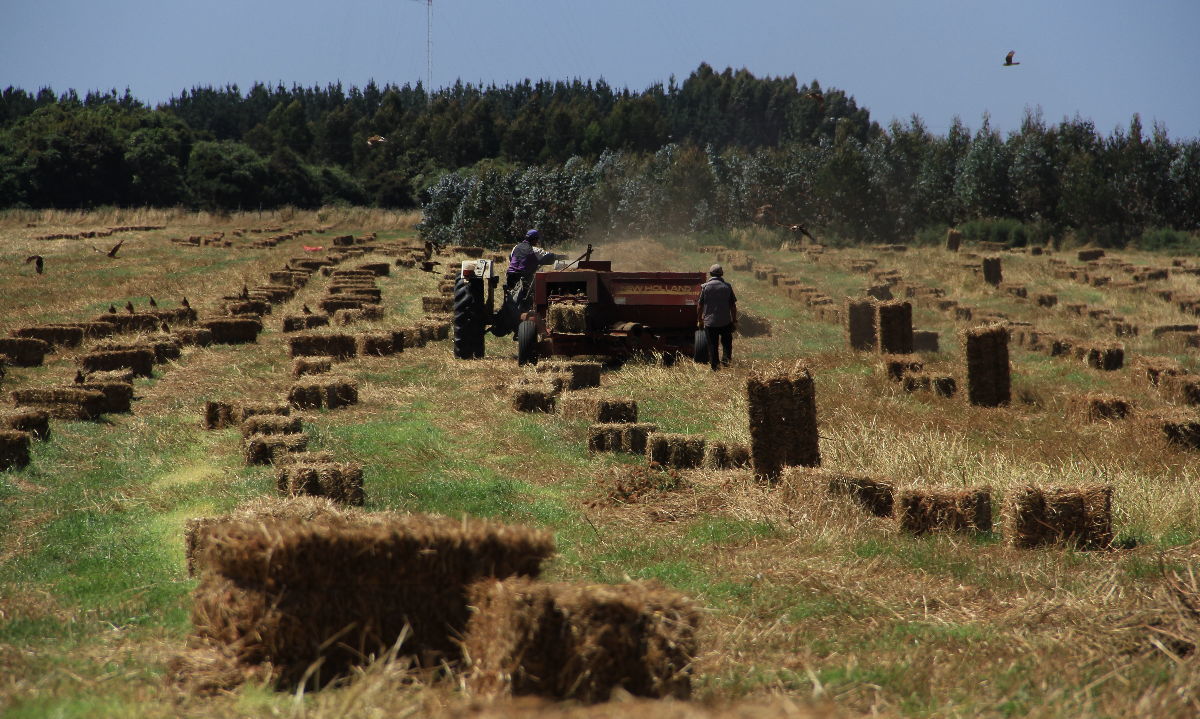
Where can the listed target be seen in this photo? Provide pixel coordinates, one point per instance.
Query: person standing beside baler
(716, 310)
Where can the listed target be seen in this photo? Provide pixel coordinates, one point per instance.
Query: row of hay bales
(92, 234)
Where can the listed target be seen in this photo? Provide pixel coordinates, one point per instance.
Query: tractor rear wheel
(527, 340)
(700, 348)
(468, 319)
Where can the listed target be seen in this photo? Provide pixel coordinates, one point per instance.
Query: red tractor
(585, 310)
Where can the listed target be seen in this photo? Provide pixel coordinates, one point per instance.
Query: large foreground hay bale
(989, 383)
(327, 392)
(344, 587)
(931, 510)
(894, 322)
(233, 331)
(340, 482)
(783, 420)
(1078, 516)
(678, 451)
(63, 403)
(23, 351)
(581, 642)
(338, 346)
(139, 361)
(27, 419)
(860, 324)
(268, 448)
(726, 455)
(14, 449)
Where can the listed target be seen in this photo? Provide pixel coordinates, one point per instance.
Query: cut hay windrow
(725, 455)
(860, 324)
(896, 366)
(340, 482)
(945, 510)
(14, 449)
(582, 375)
(337, 346)
(194, 336)
(625, 437)
(270, 424)
(298, 323)
(311, 365)
(924, 341)
(138, 361)
(377, 344)
(989, 382)
(1077, 516)
(326, 392)
(341, 588)
(118, 396)
(676, 451)
(27, 419)
(581, 642)
(598, 409)
(992, 273)
(894, 327)
(567, 317)
(233, 331)
(267, 448)
(23, 351)
(53, 335)
(1096, 407)
(527, 398)
(783, 420)
(63, 403)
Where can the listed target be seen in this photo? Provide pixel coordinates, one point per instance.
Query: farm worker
(717, 312)
(525, 259)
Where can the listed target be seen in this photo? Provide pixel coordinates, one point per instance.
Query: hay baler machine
(585, 310)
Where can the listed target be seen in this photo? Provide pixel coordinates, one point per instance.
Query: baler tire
(527, 340)
(700, 347)
(468, 325)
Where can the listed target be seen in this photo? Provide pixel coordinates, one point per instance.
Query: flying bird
(374, 140)
(37, 260)
(112, 252)
(1008, 59)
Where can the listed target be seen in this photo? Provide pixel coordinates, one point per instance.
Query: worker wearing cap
(717, 312)
(525, 259)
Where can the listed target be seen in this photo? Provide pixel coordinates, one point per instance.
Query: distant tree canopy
(485, 162)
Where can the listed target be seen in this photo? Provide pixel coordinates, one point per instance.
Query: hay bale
(217, 415)
(896, 366)
(379, 269)
(339, 482)
(245, 410)
(437, 305)
(992, 273)
(1097, 406)
(580, 642)
(53, 335)
(138, 361)
(298, 323)
(894, 323)
(23, 351)
(1046, 300)
(329, 393)
(940, 384)
(341, 318)
(1077, 516)
(989, 382)
(233, 331)
(726, 455)
(580, 375)
(311, 365)
(533, 399)
(267, 448)
(14, 449)
(378, 344)
(270, 424)
(953, 239)
(248, 307)
(337, 346)
(1180, 428)
(63, 403)
(194, 336)
(925, 341)
(932, 510)
(626, 437)
(118, 396)
(330, 305)
(783, 420)
(677, 451)
(162, 350)
(1090, 255)
(342, 587)
(861, 323)
(27, 419)
(567, 317)
(1106, 357)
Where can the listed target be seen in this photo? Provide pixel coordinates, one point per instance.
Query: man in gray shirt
(717, 311)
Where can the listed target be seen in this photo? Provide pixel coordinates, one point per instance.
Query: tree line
(485, 162)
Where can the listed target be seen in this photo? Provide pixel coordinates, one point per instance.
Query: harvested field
(581, 642)
(922, 511)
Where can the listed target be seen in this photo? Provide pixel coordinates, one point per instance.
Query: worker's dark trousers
(725, 337)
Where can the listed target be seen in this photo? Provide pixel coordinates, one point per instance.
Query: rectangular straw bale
(726, 455)
(567, 317)
(630, 438)
(270, 424)
(783, 420)
(332, 304)
(1106, 357)
(860, 323)
(924, 341)
(580, 642)
(118, 396)
(53, 335)
(581, 375)
(340, 482)
(337, 346)
(218, 415)
(430, 305)
(1181, 389)
(24, 351)
(953, 239)
(1075, 516)
(27, 419)
(339, 588)
(161, 350)
(329, 393)
(248, 307)
(193, 336)
(379, 269)
(992, 273)
(1181, 428)
(930, 510)
(341, 318)
(1095, 407)
(1045, 299)
(311, 365)
(266, 448)
(63, 402)
(233, 331)
(874, 495)
(378, 344)
(894, 323)
(528, 398)
(245, 410)
(989, 382)
(297, 323)
(677, 451)
(896, 366)
(1090, 255)
(14, 449)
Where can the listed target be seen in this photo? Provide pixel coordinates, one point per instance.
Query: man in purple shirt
(717, 312)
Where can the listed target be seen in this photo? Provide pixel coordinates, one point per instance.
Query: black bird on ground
(153, 303)
(38, 262)
(305, 310)
(129, 307)
(112, 309)
(186, 304)
(80, 377)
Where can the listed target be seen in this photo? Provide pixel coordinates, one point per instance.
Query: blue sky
(1102, 59)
